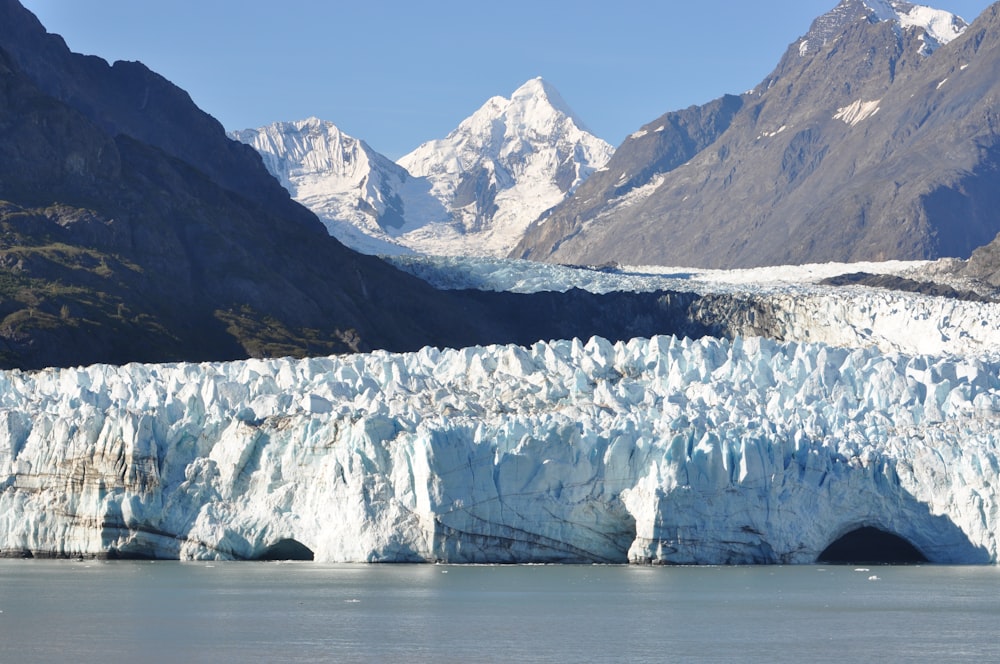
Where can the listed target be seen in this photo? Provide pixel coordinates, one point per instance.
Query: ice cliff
(659, 450)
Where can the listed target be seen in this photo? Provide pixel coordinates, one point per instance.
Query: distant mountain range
(133, 229)
(874, 138)
(473, 192)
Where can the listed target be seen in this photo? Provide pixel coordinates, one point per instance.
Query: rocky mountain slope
(984, 264)
(471, 193)
(874, 138)
(133, 229)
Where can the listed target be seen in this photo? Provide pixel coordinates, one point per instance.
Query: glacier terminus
(660, 450)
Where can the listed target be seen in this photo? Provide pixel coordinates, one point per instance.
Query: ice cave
(873, 546)
(287, 549)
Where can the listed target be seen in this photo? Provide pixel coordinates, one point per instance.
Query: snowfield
(659, 450)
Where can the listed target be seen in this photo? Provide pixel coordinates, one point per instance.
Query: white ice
(660, 450)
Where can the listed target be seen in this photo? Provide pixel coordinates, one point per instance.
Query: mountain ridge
(805, 158)
(119, 245)
(472, 192)
(361, 196)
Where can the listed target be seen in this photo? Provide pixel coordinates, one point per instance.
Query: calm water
(272, 612)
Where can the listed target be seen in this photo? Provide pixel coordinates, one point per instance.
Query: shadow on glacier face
(814, 514)
(871, 546)
(165, 533)
(900, 530)
(287, 549)
(121, 541)
(540, 503)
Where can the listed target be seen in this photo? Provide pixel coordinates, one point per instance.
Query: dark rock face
(894, 282)
(127, 98)
(859, 146)
(985, 264)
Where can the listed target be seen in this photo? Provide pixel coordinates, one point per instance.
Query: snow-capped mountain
(874, 138)
(471, 193)
(363, 197)
(503, 166)
(935, 27)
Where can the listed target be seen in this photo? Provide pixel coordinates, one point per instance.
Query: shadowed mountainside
(133, 229)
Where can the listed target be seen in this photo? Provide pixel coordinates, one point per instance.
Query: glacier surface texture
(662, 450)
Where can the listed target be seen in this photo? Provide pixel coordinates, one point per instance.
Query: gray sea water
(91, 611)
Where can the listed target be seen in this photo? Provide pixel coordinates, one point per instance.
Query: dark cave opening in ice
(287, 549)
(868, 545)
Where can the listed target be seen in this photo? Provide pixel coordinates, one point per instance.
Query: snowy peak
(538, 99)
(535, 114)
(505, 165)
(354, 190)
(292, 150)
(470, 193)
(937, 27)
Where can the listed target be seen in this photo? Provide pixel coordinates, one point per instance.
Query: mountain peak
(506, 164)
(535, 112)
(536, 107)
(539, 88)
(538, 94)
(535, 86)
(937, 25)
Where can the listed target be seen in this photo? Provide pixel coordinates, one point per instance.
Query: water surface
(227, 612)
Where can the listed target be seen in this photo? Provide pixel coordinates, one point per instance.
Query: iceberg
(660, 450)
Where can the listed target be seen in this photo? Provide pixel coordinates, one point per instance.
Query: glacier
(660, 450)
(782, 302)
(824, 410)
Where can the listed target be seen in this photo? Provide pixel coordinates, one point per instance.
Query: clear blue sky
(397, 73)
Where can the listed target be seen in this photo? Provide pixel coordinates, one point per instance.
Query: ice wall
(660, 450)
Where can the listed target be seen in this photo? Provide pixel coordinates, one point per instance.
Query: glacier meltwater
(659, 450)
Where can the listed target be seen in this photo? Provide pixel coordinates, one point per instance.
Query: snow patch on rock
(857, 112)
(940, 26)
